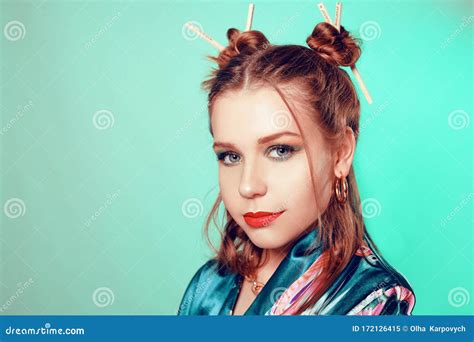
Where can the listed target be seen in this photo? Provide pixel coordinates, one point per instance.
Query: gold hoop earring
(341, 188)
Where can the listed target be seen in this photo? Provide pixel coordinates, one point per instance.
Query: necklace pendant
(257, 287)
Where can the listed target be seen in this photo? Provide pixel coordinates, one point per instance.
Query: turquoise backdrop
(107, 171)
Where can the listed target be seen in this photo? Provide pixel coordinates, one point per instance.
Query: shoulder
(372, 266)
(388, 292)
(369, 285)
(207, 277)
(394, 300)
(209, 267)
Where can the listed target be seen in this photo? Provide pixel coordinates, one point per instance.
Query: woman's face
(263, 166)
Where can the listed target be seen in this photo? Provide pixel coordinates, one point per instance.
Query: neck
(273, 259)
(275, 256)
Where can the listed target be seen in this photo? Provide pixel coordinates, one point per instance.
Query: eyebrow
(260, 141)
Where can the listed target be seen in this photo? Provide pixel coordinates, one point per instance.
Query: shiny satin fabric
(214, 291)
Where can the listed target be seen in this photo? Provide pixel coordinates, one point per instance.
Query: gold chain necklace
(256, 286)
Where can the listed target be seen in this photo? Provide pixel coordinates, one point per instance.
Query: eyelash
(291, 149)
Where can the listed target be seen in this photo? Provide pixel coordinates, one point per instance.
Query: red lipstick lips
(261, 218)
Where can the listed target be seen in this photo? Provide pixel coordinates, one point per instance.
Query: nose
(252, 181)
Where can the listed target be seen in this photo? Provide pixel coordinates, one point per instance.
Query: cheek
(304, 192)
(293, 185)
(228, 185)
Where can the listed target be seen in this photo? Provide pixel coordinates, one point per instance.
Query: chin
(265, 238)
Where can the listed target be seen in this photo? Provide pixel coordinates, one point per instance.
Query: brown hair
(311, 77)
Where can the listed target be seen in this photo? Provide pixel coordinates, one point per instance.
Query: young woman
(285, 122)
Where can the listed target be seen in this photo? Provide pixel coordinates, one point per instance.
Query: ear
(345, 154)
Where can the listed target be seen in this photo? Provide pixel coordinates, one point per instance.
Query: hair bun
(336, 47)
(241, 43)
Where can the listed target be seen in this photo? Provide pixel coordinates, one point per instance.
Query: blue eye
(282, 152)
(228, 158)
(276, 152)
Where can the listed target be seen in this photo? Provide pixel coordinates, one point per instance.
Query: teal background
(109, 221)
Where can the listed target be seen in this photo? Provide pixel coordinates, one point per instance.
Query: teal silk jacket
(367, 286)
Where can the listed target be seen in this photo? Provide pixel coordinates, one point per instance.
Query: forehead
(250, 114)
